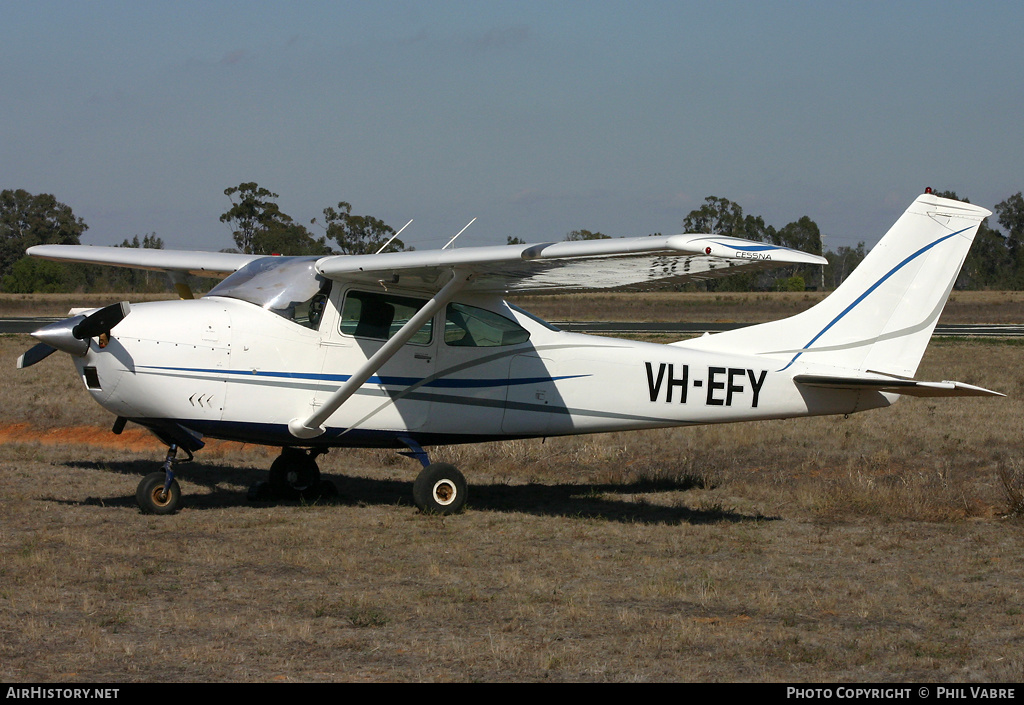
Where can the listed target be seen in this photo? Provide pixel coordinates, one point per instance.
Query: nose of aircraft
(72, 334)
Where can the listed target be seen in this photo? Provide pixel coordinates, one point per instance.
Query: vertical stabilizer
(882, 317)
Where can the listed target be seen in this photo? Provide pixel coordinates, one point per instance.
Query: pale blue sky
(536, 117)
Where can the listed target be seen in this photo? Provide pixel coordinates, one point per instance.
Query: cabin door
(393, 399)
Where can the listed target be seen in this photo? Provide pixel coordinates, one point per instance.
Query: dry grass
(30, 305)
(728, 307)
(872, 548)
(1011, 476)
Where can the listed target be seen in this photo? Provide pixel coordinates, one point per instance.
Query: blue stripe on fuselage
(443, 383)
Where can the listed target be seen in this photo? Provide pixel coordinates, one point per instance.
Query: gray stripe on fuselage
(412, 394)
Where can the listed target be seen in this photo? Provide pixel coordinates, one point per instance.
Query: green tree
(803, 235)
(754, 228)
(27, 220)
(260, 227)
(577, 235)
(358, 234)
(841, 262)
(794, 283)
(252, 211)
(992, 259)
(149, 242)
(989, 263)
(33, 275)
(126, 279)
(1011, 216)
(720, 216)
(288, 238)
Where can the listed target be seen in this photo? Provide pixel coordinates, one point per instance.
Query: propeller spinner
(72, 334)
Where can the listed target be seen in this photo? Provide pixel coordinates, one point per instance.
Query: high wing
(202, 264)
(175, 263)
(609, 264)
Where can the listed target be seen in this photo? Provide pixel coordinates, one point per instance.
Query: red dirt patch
(136, 440)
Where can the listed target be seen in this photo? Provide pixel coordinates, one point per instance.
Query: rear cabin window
(379, 316)
(469, 326)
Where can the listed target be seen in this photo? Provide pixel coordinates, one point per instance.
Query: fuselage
(480, 370)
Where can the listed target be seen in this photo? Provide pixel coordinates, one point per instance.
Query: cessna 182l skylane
(413, 349)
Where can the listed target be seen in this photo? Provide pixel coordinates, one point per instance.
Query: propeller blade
(101, 321)
(34, 354)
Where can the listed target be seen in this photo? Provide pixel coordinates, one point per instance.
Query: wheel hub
(444, 492)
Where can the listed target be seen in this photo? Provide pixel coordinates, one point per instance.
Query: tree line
(258, 226)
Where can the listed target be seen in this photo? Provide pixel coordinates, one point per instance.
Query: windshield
(283, 285)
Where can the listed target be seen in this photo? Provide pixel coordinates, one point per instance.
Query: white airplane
(412, 349)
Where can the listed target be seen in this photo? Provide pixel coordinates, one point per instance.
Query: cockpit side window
(309, 313)
(379, 316)
(469, 326)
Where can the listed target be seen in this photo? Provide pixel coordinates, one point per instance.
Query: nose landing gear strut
(159, 493)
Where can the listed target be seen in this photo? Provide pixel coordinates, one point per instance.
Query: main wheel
(154, 499)
(294, 472)
(440, 489)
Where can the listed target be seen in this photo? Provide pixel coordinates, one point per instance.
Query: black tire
(152, 498)
(440, 489)
(294, 473)
(260, 492)
(328, 490)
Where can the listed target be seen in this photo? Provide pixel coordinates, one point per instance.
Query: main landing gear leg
(439, 488)
(294, 475)
(159, 493)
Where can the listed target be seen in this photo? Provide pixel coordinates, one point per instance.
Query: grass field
(880, 547)
(728, 307)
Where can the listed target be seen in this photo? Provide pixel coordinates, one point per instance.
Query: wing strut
(312, 427)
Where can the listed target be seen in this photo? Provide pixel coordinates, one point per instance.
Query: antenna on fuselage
(392, 238)
(458, 233)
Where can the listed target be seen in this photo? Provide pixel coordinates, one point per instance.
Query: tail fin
(882, 317)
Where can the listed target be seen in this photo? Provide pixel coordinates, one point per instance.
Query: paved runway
(23, 325)
(27, 325)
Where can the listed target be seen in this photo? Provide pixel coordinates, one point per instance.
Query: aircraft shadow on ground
(594, 501)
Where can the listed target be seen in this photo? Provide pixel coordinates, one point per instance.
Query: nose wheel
(154, 498)
(159, 492)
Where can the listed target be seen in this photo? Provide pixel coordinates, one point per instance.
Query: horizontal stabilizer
(908, 387)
